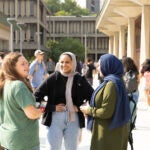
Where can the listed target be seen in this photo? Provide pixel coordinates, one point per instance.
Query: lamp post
(96, 46)
(38, 39)
(11, 21)
(20, 26)
(85, 44)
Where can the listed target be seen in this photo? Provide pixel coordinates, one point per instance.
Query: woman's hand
(84, 108)
(75, 108)
(32, 112)
(60, 107)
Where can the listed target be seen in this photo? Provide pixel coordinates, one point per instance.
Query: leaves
(66, 44)
(68, 8)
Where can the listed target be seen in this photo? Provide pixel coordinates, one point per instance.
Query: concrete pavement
(141, 133)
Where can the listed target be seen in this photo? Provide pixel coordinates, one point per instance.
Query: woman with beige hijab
(67, 90)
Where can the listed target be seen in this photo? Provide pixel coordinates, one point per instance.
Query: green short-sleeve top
(17, 131)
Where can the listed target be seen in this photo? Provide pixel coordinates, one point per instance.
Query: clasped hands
(84, 108)
(62, 107)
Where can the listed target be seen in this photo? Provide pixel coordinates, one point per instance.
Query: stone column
(110, 45)
(122, 51)
(145, 34)
(131, 38)
(116, 44)
(38, 26)
(53, 32)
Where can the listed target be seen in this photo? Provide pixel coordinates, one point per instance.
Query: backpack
(131, 81)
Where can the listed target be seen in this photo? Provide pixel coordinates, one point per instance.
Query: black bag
(133, 110)
(131, 81)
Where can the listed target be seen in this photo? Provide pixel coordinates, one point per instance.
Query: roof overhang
(115, 13)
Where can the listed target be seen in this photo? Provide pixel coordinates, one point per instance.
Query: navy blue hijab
(112, 69)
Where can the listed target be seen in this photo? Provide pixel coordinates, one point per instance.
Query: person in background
(109, 112)
(1, 57)
(84, 68)
(145, 80)
(78, 66)
(19, 128)
(37, 70)
(90, 71)
(129, 65)
(66, 90)
(50, 65)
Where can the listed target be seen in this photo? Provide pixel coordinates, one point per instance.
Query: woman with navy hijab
(109, 112)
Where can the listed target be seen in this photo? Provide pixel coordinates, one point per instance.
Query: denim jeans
(61, 129)
(135, 95)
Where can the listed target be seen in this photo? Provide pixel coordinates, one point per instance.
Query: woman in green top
(19, 128)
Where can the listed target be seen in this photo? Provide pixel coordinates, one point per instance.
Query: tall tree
(53, 5)
(66, 44)
(66, 8)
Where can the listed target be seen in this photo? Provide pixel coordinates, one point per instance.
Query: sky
(79, 2)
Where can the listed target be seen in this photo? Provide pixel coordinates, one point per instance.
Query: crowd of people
(71, 99)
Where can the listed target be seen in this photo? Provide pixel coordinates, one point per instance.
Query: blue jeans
(61, 129)
(135, 95)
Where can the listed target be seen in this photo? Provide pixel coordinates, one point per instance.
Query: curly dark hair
(129, 64)
(145, 66)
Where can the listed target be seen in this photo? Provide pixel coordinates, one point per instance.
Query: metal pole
(20, 30)
(96, 46)
(20, 40)
(39, 42)
(85, 57)
(11, 33)
(12, 44)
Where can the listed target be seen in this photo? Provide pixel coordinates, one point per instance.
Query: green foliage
(68, 8)
(66, 44)
(53, 5)
(62, 13)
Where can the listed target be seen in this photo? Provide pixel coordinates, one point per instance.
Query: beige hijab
(68, 93)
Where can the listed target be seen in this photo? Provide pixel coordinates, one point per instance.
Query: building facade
(127, 23)
(93, 6)
(30, 19)
(4, 35)
(82, 28)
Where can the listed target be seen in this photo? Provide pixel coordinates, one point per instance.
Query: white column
(145, 34)
(116, 44)
(122, 51)
(110, 45)
(38, 26)
(131, 38)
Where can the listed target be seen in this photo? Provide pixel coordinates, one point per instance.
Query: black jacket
(54, 88)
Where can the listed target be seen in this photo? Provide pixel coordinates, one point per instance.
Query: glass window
(31, 7)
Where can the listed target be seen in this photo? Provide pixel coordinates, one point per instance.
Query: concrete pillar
(116, 44)
(82, 35)
(38, 26)
(68, 28)
(122, 51)
(145, 34)
(131, 38)
(110, 51)
(54, 29)
(95, 45)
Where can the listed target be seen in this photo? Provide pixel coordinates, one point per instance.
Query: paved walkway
(141, 134)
